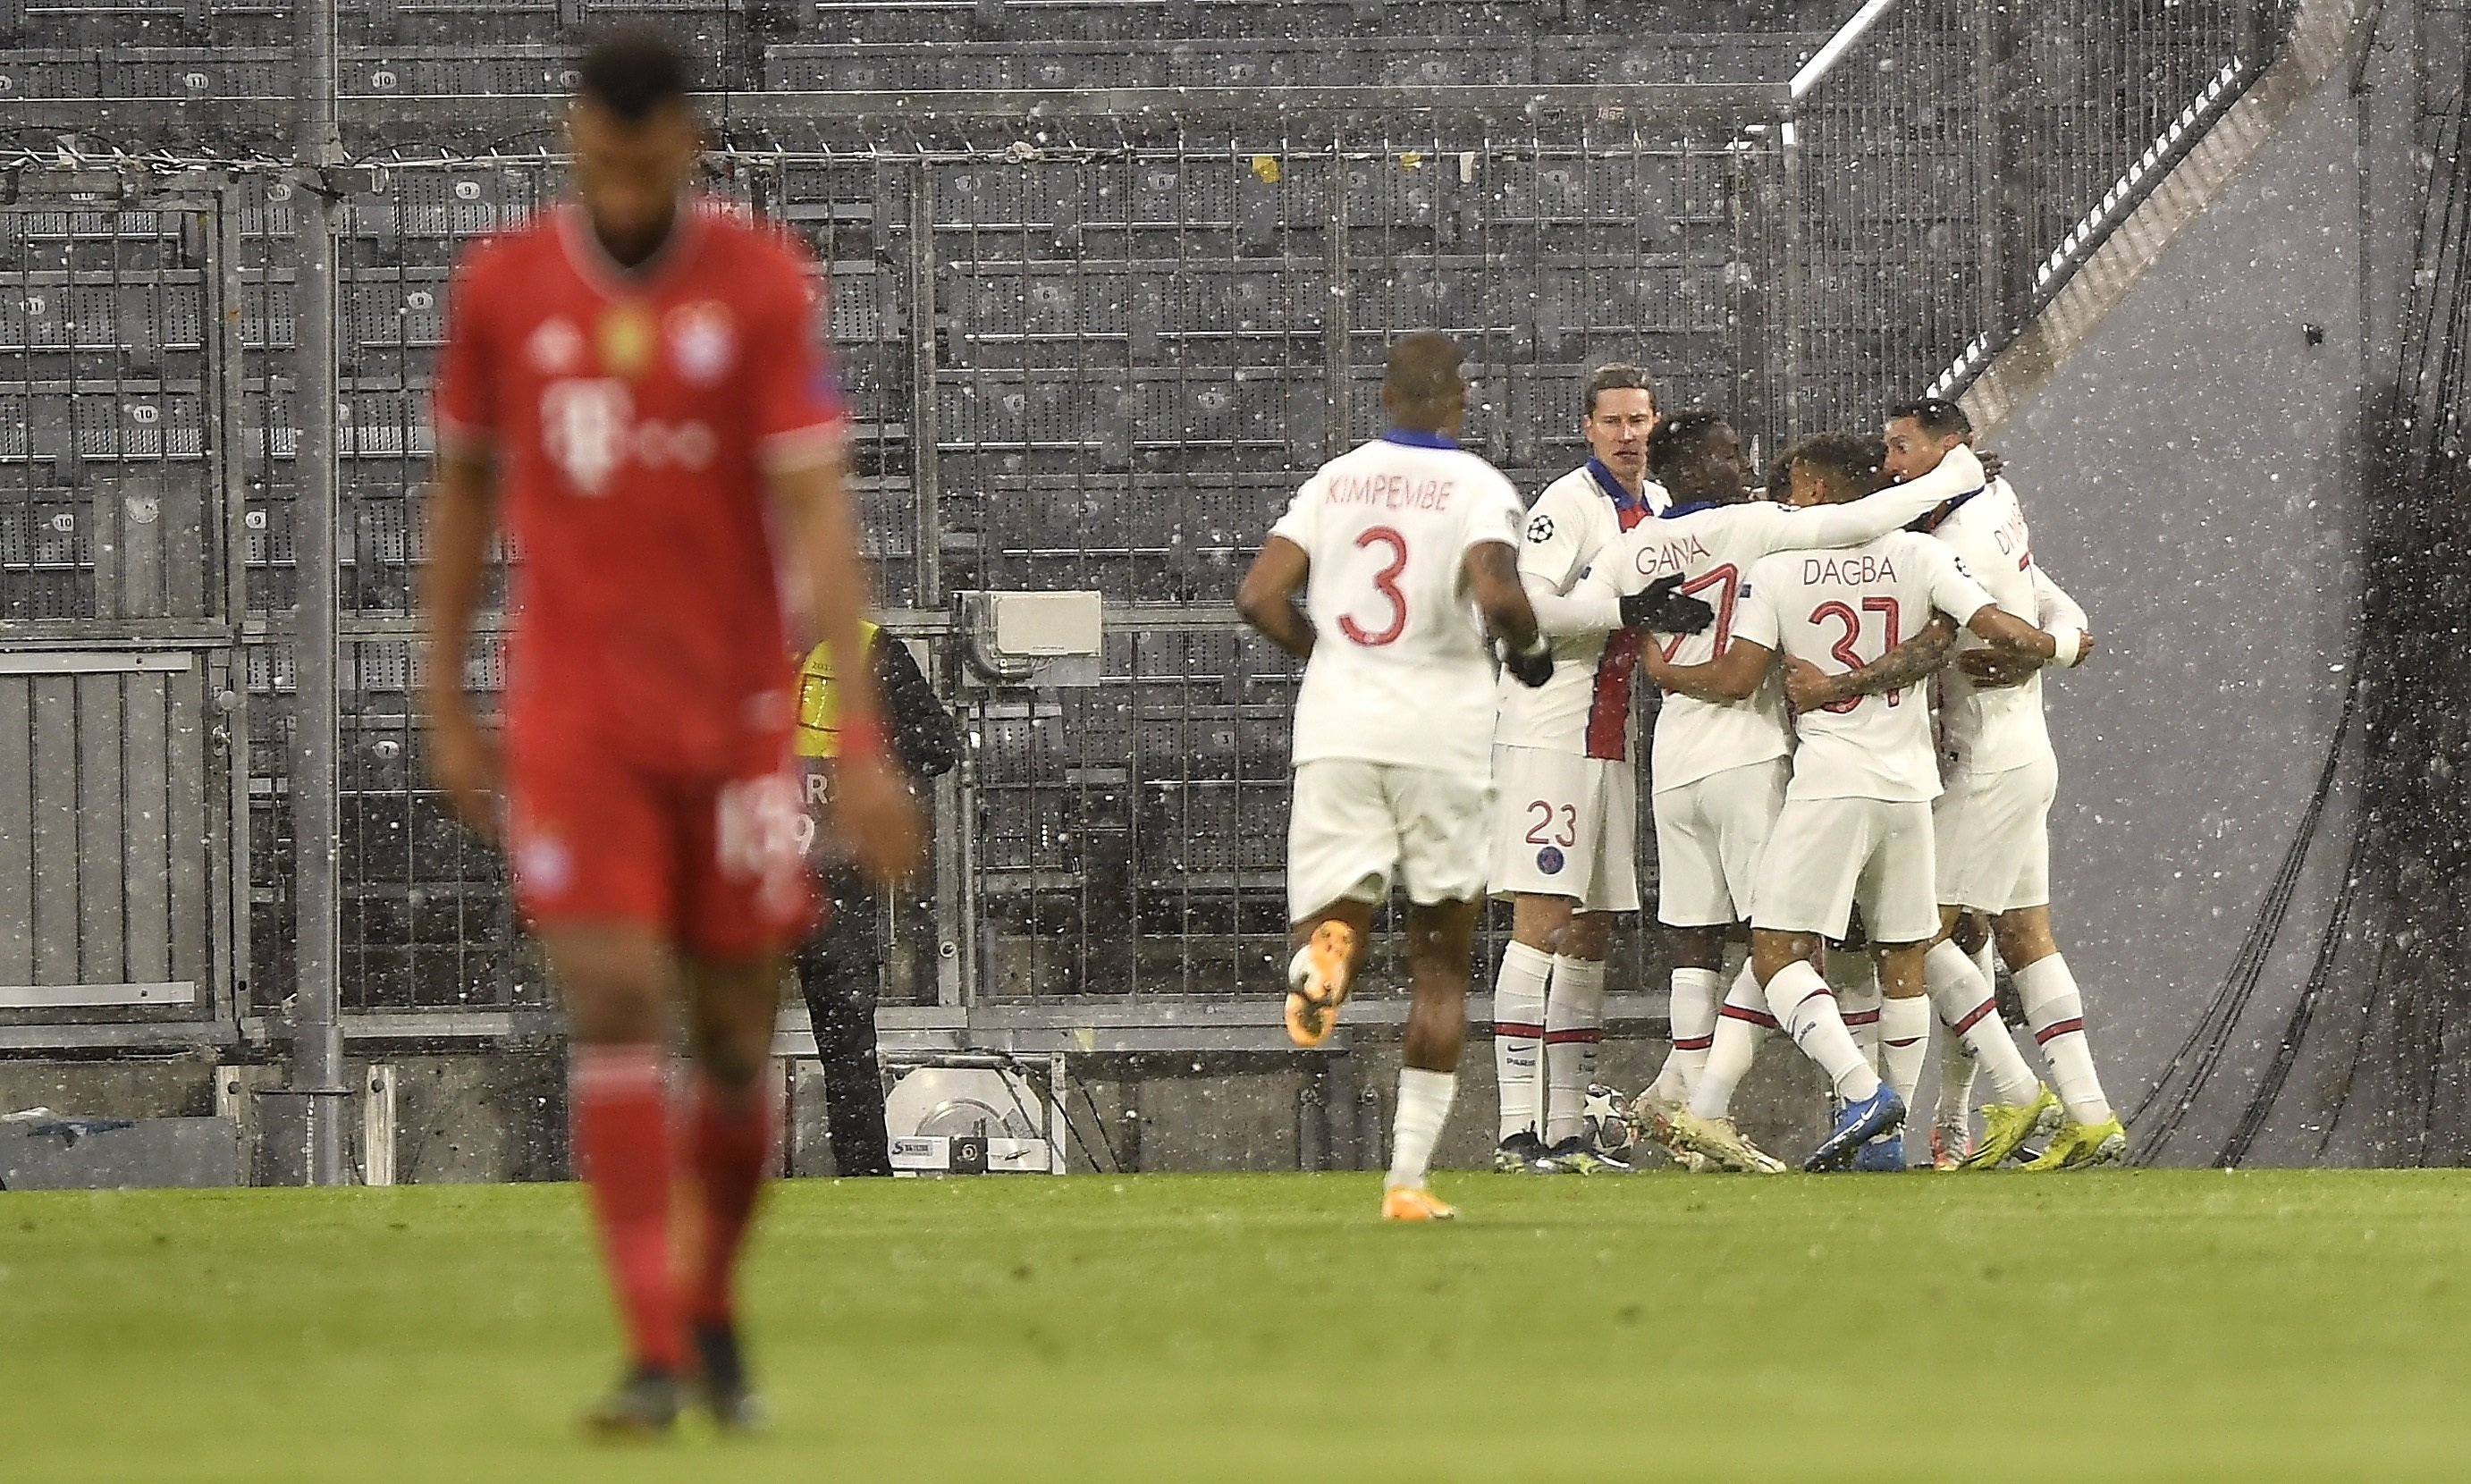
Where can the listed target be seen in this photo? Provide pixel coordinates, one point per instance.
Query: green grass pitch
(2147, 1325)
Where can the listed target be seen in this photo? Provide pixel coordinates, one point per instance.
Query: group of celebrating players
(630, 383)
(1465, 724)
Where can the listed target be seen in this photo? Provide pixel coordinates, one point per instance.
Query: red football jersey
(635, 414)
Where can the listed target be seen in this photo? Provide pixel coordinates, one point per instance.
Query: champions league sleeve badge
(1541, 530)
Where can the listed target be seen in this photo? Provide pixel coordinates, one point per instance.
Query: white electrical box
(1033, 639)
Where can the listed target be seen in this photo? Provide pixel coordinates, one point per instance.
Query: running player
(1854, 830)
(1720, 766)
(632, 372)
(1993, 823)
(1387, 546)
(1566, 791)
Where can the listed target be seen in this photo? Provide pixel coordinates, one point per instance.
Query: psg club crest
(1550, 860)
(701, 343)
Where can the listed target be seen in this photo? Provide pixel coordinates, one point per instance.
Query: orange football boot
(1313, 998)
(1414, 1203)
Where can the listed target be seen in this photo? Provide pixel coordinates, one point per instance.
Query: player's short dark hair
(1852, 463)
(634, 71)
(1423, 367)
(1937, 418)
(1618, 376)
(1778, 486)
(1677, 437)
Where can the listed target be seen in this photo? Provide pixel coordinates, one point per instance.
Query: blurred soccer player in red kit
(632, 376)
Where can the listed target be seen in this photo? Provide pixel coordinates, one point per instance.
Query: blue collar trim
(1934, 519)
(1677, 511)
(1610, 483)
(1416, 439)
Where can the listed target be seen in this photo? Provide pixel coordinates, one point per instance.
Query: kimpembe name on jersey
(1391, 491)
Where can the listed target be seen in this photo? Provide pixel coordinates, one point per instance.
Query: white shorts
(1994, 837)
(1709, 835)
(1353, 826)
(1565, 826)
(1829, 855)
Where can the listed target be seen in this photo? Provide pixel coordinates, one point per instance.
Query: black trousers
(837, 976)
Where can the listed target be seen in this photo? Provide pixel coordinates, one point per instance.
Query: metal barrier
(122, 773)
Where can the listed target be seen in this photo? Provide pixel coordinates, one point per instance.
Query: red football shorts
(714, 861)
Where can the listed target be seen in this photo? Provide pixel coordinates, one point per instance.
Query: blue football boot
(1883, 1112)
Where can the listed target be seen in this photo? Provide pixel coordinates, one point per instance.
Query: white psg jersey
(1401, 672)
(1585, 709)
(1840, 610)
(1713, 549)
(1992, 729)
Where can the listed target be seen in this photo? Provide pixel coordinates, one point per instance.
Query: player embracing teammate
(1565, 777)
(631, 377)
(1993, 823)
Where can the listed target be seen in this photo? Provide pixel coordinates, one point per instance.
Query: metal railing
(1955, 162)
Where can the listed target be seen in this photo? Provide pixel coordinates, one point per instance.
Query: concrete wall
(2192, 477)
(470, 1117)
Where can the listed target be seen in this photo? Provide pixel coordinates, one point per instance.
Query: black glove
(1663, 607)
(1530, 668)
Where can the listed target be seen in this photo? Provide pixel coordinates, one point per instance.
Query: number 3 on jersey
(1386, 583)
(1844, 649)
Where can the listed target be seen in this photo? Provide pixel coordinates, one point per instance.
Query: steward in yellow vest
(841, 970)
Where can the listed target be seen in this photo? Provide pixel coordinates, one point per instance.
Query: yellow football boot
(2081, 1145)
(2006, 1126)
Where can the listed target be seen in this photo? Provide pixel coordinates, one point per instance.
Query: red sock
(731, 1144)
(623, 1151)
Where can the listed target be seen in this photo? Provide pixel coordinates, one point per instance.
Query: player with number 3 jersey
(1404, 553)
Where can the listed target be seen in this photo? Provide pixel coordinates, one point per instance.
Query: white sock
(1518, 1035)
(1574, 1031)
(1692, 1015)
(1416, 1126)
(2055, 1012)
(1965, 1004)
(1740, 1026)
(1856, 980)
(1958, 1067)
(1904, 1043)
(1799, 1000)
